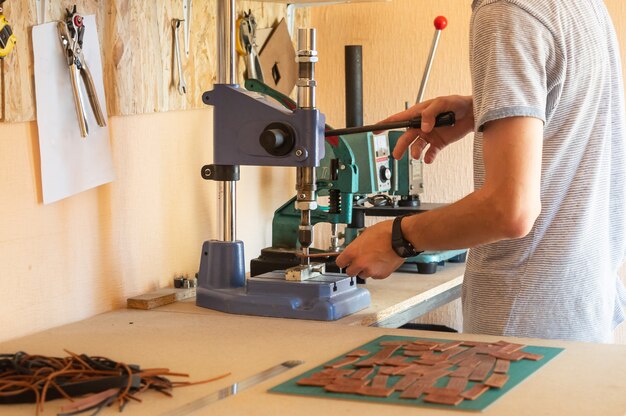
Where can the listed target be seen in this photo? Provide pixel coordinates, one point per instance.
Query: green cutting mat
(518, 371)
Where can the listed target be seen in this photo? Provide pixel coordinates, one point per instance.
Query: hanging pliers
(71, 32)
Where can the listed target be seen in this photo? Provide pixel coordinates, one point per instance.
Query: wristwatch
(399, 244)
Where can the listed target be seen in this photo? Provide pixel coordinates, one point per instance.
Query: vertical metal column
(226, 68)
(305, 176)
(354, 85)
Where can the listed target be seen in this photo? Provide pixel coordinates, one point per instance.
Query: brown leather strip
(531, 356)
(442, 391)
(462, 372)
(457, 383)
(398, 361)
(414, 391)
(449, 353)
(502, 366)
(389, 370)
(425, 342)
(375, 391)
(380, 381)
(436, 375)
(316, 382)
(497, 380)
(342, 362)
(358, 353)
(337, 372)
(475, 392)
(405, 382)
(381, 355)
(445, 346)
(418, 347)
(443, 399)
(510, 356)
(362, 373)
(412, 353)
(393, 343)
(467, 354)
(343, 381)
(343, 388)
(510, 347)
(483, 369)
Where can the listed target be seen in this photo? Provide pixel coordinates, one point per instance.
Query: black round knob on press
(385, 173)
(278, 139)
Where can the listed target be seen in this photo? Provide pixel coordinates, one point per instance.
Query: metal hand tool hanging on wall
(245, 42)
(187, 12)
(7, 38)
(71, 34)
(182, 86)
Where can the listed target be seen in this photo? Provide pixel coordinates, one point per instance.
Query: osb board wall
(136, 41)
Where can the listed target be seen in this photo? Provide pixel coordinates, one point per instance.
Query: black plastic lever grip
(443, 119)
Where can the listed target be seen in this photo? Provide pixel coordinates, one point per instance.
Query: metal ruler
(233, 389)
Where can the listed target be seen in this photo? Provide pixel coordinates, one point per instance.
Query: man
(546, 223)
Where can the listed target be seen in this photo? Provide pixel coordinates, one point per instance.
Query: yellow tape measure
(7, 38)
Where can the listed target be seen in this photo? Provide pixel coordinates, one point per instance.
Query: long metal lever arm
(443, 119)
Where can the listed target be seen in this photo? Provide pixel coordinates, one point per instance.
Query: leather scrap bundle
(90, 383)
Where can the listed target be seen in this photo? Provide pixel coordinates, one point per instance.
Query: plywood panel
(136, 41)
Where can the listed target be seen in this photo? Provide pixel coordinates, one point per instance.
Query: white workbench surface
(585, 379)
(396, 300)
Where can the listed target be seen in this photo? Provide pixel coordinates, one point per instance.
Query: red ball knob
(440, 22)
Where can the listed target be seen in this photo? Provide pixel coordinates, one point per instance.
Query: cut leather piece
(502, 366)
(315, 382)
(405, 382)
(393, 343)
(457, 383)
(531, 356)
(342, 362)
(362, 373)
(342, 388)
(497, 380)
(398, 361)
(443, 399)
(343, 381)
(509, 356)
(414, 391)
(380, 356)
(358, 353)
(375, 391)
(336, 372)
(462, 372)
(445, 346)
(474, 392)
(442, 391)
(418, 347)
(379, 381)
(483, 369)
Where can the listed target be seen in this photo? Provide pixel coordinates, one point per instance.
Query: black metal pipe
(354, 85)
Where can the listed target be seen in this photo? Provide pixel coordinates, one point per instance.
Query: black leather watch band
(399, 244)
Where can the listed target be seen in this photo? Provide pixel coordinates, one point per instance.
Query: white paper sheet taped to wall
(69, 163)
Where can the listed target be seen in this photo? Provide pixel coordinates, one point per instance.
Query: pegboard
(137, 47)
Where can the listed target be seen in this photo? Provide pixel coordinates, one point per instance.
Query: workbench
(585, 379)
(396, 300)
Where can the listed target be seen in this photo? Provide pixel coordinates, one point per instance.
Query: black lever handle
(443, 119)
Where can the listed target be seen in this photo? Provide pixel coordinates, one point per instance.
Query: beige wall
(86, 254)
(396, 37)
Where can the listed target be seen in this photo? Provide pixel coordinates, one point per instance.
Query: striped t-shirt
(557, 61)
